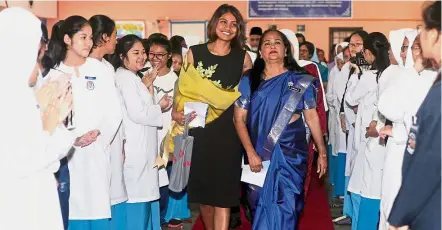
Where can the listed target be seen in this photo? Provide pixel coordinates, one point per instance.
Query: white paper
(163, 178)
(201, 112)
(255, 178)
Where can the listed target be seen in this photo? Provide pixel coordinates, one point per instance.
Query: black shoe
(235, 222)
(345, 220)
(175, 223)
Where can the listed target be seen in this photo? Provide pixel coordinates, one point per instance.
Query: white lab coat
(96, 107)
(337, 137)
(399, 103)
(342, 80)
(332, 110)
(366, 176)
(29, 156)
(30, 186)
(118, 192)
(141, 120)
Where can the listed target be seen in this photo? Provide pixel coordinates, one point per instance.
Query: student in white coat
(336, 136)
(399, 102)
(398, 40)
(365, 181)
(104, 37)
(141, 119)
(33, 137)
(96, 113)
(343, 82)
(397, 54)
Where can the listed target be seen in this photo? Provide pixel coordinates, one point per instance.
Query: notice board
(300, 9)
(194, 32)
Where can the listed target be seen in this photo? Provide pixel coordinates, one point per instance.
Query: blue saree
(278, 204)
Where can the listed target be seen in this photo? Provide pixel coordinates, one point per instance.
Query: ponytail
(101, 25)
(382, 58)
(48, 60)
(378, 45)
(57, 48)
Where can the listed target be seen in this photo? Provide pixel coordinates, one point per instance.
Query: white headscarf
(411, 34)
(396, 40)
(315, 57)
(340, 55)
(291, 36)
(20, 121)
(342, 44)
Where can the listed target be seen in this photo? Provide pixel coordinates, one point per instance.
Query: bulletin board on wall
(194, 32)
(125, 27)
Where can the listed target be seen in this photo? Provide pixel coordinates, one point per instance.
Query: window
(339, 34)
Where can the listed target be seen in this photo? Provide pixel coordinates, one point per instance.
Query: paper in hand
(200, 110)
(257, 179)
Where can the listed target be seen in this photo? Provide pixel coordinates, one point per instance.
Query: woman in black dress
(215, 174)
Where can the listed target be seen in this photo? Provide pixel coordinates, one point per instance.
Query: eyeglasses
(404, 48)
(416, 49)
(158, 56)
(303, 51)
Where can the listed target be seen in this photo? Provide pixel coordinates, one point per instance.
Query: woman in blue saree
(275, 97)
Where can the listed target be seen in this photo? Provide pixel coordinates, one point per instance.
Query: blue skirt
(339, 175)
(101, 224)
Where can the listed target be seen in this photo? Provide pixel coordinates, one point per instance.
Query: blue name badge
(90, 78)
(90, 84)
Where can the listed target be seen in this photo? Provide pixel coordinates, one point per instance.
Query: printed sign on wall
(300, 9)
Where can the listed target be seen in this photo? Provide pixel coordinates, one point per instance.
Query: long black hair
(57, 49)
(432, 16)
(101, 25)
(259, 65)
(175, 43)
(47, 61)
(378, 45)
(432, 20)
(43, 40)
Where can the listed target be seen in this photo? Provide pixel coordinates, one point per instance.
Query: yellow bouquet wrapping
(195, 86)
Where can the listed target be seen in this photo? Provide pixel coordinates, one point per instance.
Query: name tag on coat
(90, 84)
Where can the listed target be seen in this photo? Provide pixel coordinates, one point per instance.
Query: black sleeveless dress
(216, 161)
